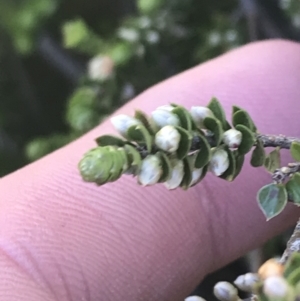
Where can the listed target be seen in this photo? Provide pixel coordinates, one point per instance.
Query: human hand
(63, 239)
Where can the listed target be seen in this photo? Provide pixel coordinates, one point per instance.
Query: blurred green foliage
(123, 49)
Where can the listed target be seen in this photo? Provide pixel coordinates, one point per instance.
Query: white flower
(219, 162)
(176, 176)
(196, 175)
(151, 171)
(232, 138)
(225, 291)
(123, 122)
(199, 114)
(194, 298)
(247, 282)
(275, 287)
(167, 139)
(100, 67)
(163, 116)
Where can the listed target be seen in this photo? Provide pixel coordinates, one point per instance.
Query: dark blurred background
(65, 65)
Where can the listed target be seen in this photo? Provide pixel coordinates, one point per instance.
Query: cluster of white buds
(151, 171)
(225, 291)
(163, 116)
(177, 174)
(167, 139)
(123, 122)
(194, 298)
(100, 67)
(232, 138)
(199, 114)
(219, 162)
(247, 282)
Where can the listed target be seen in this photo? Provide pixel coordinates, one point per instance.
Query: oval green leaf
(184, 117)
(184, 144)
(239, 162)
(204, 154)
(187, 178)
(241, 117)
(215, 126)
(295, 150)
(248, 139)
(166, 167)
(293, 188)
(258, 155)
(120, 165)
(106, 140)
(141, 135)
(143, 118)
(134, 159)
(272, 199)
(216, 107)
(272, 161)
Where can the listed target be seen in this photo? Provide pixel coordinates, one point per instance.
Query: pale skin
(63, 239)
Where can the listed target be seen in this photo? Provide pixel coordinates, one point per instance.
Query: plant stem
(293, 245)
(277, 140)
(282, 174)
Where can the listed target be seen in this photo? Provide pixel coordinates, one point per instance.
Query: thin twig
(280, 175)
(277, 140)
(293, 244)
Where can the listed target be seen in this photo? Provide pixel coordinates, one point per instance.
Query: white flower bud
(194, 298)
(163, 116)
(176, 176)
(247, 282)
(100, 67)
(196, 175)
(219, 162)
(123, 122)
(225, 291)
(199, 114)
(167, 139)
(276, 287)
(232, 138)
(151, 171)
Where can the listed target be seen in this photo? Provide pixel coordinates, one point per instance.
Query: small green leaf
(184, 117)
(120, 165)
(110, 140)
(248, 139)
(134, 159)
(215, 126)
(204, 154)
(216, 107)
(239, 162)
(184, 144)
(166, 167)
(141, 135)
(258, 155)
(273, 160)
(272, 199)
(229, 174)
(292, 264)
(187, 178)
(293, 188)
(241, 117)
(295, 150)
(227, 126)
(235, 109)
(143, 118)
(294, 277)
